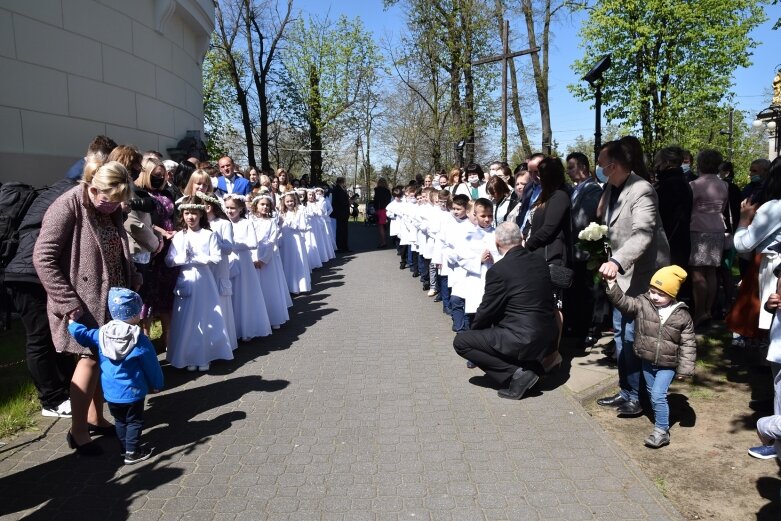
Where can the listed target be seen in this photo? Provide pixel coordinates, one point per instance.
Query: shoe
(763, 452)
(438, 298)
(519, 386)
(192, 368)
(103, 431)
(88, 449)
(630, 408)
(203, 368)
(470, 364)
(61, 411)
(426, 287)
(657, 439)
(137, 456)
(415, 274)
(589, 341)
(402, 266)
(612, 401)
(274, 327)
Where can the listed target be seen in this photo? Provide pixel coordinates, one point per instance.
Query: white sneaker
(192, 368)
(203, 368)
(61, 411)
(432, 292)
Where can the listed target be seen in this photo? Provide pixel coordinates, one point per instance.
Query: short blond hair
(203, 176)
(148, 166)
(112, 179)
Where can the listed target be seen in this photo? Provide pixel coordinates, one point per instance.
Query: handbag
(560, 276)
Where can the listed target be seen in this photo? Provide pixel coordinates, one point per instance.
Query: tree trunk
(315, 135)
(540, 69)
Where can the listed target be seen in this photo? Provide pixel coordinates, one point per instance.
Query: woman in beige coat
(82, 251)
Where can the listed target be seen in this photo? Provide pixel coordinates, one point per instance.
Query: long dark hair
(771, 188)
(203, 221)
(551, 173)
(182, 174)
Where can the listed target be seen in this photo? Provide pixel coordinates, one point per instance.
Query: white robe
(224, 231)
(293, 251)
(198, 326)
(271, 275)
(249, 306)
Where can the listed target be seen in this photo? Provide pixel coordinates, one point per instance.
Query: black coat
(21, 268)
(340, 202)
(550, 234)
(675, 211)
(518, 305)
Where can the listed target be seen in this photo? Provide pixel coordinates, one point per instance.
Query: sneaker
(61, 411)
(192, 368)
(763, 452)
(432, 292)
(139, 455)
(203, 368)
(470, 364)
(657, 439)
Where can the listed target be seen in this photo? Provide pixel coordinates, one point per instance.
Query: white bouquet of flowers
(592, 241)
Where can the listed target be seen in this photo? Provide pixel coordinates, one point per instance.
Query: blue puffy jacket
(128, 362)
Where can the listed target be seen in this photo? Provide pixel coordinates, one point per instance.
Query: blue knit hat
(124, 303)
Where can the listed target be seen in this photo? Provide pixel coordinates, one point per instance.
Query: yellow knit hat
(669, 279)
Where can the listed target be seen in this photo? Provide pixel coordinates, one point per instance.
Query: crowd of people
(214, 254)
(501, 251)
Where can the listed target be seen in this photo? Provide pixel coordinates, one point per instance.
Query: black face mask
(157, 182)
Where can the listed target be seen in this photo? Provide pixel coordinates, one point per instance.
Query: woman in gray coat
(82, 251)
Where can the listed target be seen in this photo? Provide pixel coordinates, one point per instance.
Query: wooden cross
(506, 55)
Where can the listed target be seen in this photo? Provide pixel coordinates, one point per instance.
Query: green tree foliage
(330, 66)
(672, 59)
(220, 111)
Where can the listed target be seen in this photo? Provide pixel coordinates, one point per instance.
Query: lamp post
(770, 118)
(459, 148)
(594, 78)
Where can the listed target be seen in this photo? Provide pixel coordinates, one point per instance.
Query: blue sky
(570, 117)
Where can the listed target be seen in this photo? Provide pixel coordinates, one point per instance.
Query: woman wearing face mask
(82, 251)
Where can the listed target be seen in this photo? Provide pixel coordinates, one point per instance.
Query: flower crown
(192, 206)
(207, 197)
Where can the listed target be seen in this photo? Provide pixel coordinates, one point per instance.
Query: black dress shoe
(519, 386)
(415, 274)
(630, 408)
(612, 401)
(438, 298)
(402, 266)
(87, 449)
(103, 431)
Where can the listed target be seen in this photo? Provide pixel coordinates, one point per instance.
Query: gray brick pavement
(357, 410)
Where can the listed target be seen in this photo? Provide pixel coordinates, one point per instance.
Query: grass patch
(661, 485)
(18, 398)
(701, 394)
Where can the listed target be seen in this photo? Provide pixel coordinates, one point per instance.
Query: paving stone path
(356, 410)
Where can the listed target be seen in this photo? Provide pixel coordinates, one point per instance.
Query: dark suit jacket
(240, 186)
(518, 305)
(525, 202)
(550, 230)
(341, 203)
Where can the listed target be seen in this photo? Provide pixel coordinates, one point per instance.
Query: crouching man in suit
(514, 328)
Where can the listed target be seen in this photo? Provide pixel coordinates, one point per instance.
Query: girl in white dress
(315, 212)
(325, 211)
(222, 228)
(198, 328)
(310, 241)
(249, 307)
(292, 223)
(269, 263)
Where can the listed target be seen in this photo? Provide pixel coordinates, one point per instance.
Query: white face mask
(473, 179)
(686, 167)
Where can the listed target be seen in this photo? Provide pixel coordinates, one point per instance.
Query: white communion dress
(249, 306)
(198, 327)
(272, 275)
(293, 251)
(224, 231)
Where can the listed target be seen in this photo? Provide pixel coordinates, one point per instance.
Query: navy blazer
(240, 186)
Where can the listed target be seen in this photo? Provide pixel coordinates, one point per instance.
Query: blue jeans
(458, 313)
(128, 421)
(423, 265)
(628, 362)
(657, 381)
(444, 292)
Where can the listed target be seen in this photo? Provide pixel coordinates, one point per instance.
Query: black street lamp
(460, 152)
(594, 78)
(770, 118)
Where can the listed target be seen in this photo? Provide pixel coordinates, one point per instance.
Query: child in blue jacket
(128, 367)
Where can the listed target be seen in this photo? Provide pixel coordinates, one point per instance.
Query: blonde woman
(81, 253)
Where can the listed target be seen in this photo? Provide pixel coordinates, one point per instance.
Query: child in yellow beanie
(664, 340)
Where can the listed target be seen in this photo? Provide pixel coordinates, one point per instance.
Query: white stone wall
(72, 69)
